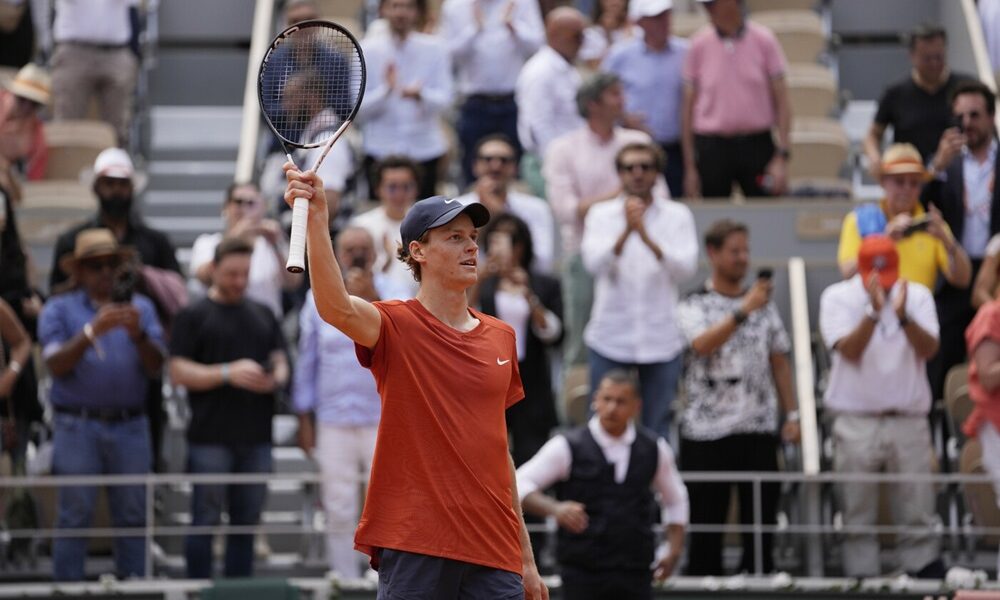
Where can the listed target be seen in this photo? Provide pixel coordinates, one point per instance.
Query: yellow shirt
(921, 255)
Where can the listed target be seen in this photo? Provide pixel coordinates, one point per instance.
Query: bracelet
(15, 367)
(792, 416)
(224, 371)
(88, 332)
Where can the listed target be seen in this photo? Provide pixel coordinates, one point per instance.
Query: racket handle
(297, 239)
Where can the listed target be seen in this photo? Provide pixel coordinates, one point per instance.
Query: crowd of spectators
(583, 159)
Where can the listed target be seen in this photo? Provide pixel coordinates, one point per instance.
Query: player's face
(615, 404)
(450, 254)
(732, 259)
(231, 275)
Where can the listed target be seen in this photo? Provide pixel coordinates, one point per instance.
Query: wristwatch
(784, 153)
(739, 316)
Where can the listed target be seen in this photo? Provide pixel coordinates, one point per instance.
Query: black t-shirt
(211, 333)
(917, 117)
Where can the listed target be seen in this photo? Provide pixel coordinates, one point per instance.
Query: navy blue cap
(437, 211)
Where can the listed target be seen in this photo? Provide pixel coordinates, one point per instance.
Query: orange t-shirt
(985, 326)
(440, 482)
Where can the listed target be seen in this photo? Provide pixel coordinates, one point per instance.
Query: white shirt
(889, 376)
(989, 15)
(580, 165)
(536, 213)
(513, 309)
(554, 462)
(488, 61)
(979, 181)
(385, 233)
(92, 21)
(339, 162)
(546, 100)
(635, 295)
(393, 124)
(266, 271)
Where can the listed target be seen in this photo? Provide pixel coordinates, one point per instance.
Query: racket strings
(311, 83)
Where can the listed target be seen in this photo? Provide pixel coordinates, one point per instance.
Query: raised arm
(357, 318)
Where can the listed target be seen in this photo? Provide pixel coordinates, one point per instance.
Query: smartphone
(124, 286)
(919, 224)
(358, 262)
(957, 123)
(765, 273)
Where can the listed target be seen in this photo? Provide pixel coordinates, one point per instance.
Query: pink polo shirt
(732, 80)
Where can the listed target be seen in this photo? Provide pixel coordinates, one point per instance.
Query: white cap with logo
(648, 8)
(114, 163)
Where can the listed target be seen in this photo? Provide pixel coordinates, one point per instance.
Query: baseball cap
(648, 8)
(437, 211)
(878, 255)
(114, 163)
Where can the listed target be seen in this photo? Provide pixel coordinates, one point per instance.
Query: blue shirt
(116, 380)
(652, 82)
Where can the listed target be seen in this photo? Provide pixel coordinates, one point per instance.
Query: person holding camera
(963, 190)
(336, 400)
(925, 243)
(229, 352)
(739, 395)
(103, 345)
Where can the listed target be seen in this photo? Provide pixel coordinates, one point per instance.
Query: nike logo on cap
(449, 200)
(502, 362)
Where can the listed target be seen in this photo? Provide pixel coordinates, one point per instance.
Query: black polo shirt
(917, 116)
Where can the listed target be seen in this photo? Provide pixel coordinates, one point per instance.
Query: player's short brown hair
(403, 255)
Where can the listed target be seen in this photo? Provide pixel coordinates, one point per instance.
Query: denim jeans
(243, 503)
(657, 385)
(82, 446)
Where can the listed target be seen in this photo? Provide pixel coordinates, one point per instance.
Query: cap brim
(69, 262)
(479, 214)
(886, 277)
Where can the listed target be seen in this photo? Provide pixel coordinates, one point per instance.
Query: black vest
(620, 515)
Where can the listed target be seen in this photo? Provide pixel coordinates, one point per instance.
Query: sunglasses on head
(643, 167)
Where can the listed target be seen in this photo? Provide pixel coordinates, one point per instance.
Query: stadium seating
(812, 89)
(73, 146)
(800, 33)
(819, 148)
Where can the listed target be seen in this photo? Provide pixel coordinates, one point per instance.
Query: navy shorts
(410, 576)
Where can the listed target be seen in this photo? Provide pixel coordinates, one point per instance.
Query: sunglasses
(503, 159)
(248, 202)
(643, 167)
(100, 264)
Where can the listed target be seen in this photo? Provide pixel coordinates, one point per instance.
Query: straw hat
(903, 159)
(33, 83)
(94, 243)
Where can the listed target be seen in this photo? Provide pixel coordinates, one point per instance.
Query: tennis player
(442, 517)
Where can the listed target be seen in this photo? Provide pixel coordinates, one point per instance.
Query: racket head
(312, 78)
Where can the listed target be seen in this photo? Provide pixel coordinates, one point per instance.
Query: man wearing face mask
(114, 186)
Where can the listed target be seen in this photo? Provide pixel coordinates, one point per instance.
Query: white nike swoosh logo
(502, 362)
(449, 201)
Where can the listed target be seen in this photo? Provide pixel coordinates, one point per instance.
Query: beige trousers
(80, 71)
(892, 444)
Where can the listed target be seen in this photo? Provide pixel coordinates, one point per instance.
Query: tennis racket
(310, 85)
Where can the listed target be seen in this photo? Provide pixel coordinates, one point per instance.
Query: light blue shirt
(978, 182)
(328, 379)
(652, 82)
